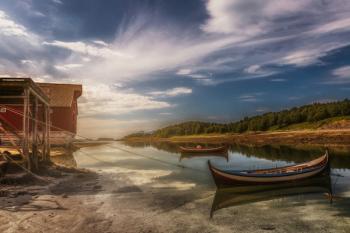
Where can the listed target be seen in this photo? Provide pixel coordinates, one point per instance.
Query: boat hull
(221, 149)
(223, 178)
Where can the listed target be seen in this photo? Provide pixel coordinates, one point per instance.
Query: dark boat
(270, 176)
(240, 195)
(220, 149)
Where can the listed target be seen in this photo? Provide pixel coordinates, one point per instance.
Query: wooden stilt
(34, 123)
(47, 134)
(25, 143)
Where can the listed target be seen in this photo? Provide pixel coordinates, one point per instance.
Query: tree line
(271, 120)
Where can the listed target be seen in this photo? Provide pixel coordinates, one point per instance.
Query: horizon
(148, 64)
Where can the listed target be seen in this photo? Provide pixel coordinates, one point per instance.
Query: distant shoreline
(326, 137)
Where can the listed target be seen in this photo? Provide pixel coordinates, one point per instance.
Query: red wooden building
(63, 106)
(64, 110)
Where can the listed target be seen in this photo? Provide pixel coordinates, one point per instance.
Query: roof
(61, 95)
(20, 83)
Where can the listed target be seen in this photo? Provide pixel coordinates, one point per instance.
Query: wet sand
(120, 196)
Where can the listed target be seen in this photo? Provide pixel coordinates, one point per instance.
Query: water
(160, 169)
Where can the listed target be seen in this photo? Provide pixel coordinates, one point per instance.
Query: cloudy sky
(147, 63)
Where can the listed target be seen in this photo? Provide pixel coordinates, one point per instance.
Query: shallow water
(162, 169)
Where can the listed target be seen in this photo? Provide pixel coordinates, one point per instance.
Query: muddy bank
(331, 138)
(30, 204)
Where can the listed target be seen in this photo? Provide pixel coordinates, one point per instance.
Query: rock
(64, 196)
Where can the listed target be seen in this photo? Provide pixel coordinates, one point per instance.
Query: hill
(313, 116)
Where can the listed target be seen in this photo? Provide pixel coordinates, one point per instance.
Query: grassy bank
(324, 137)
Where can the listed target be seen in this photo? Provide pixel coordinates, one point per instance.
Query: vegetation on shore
(305, 117)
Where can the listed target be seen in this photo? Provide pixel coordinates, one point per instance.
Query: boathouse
(64, 110)
(25, 120)
(34, 116)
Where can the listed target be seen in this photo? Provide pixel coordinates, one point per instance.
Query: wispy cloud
(340, 75)
(342, 72)
(252, 97)
(177, 91)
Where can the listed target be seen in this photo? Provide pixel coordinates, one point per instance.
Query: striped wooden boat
(270, 176)
(218, 149)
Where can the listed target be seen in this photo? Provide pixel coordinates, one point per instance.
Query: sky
(148, 63)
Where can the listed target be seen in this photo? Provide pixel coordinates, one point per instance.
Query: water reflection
(340, 156)
(239, 195)
(198, 155)
(242, 157)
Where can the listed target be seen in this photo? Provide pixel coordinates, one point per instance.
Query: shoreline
(324, 137)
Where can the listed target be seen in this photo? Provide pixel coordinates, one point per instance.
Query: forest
(268, 121)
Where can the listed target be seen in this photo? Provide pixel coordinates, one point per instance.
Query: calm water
(161, 167)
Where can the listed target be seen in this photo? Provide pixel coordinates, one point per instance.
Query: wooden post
(35, 124)
(25, 128)
(43, 130)
(47, 136)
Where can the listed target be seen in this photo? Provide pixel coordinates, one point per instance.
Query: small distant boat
(270, 176)
(200, 149)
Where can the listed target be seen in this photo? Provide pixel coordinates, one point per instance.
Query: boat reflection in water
(187, 155)
(239, 195)
(199, 151)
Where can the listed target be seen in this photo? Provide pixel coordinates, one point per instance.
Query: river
(162, 190)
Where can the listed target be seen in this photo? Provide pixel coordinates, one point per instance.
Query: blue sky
(145, 64)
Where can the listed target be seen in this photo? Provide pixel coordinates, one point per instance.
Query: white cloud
(248, 18)
(103, 100)
(84, 48)
(100, 42)
(57, 1)
(342, 72)
(251, 97)
(10, 28)
(342, 24)
(67, 67)
(183, 72)
(172, 92)
(302, 57)
(253, 69)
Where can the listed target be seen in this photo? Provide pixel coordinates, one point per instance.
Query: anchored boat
(199, 149)
(270, 176)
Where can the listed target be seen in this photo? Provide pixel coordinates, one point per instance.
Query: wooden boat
(270, 176)
(219, 149)
(241, 195)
